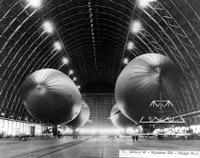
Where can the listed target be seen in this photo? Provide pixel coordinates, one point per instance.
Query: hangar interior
(92, 41)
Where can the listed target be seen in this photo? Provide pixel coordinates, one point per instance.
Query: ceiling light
(57, 46)
(136, 26)
(48, 26)
(144, 3)
(130, 45)
(65, 61)
(79, 87)
(2, 114)
(125, 61)
(35, 3)
(74, 78)
(71, 72)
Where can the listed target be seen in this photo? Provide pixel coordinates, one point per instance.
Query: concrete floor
(101, 147)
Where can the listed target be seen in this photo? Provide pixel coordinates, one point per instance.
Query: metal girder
(162, 112)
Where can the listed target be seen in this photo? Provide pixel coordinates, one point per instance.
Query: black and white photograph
(99, 78)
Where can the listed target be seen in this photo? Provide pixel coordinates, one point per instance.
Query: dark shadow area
(97, 87)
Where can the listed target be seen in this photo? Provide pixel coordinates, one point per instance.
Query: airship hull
(82, 118)
(51, 96)
(146, 78)
(119, 120)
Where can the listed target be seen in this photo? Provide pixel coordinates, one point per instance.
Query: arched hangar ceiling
(94, 36)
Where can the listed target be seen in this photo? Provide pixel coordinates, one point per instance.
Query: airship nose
(157, 69)
(41, 89)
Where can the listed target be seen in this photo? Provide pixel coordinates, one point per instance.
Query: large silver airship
(82, 118)
(146, 78)
(51, 96)
(119, 120)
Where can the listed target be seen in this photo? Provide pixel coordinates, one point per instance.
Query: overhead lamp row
(136, 25)
(49, 28)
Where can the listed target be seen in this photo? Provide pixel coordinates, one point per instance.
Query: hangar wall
(100, 107)
(14, 128)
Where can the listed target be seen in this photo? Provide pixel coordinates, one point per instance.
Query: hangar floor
(98, 147)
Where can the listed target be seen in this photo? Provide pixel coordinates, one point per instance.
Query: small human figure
(58, 134)
(135, 137)
(54, 130)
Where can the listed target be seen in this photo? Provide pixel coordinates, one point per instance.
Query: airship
(119, 120)
(51, 96)
(146, 78)
(82, 118)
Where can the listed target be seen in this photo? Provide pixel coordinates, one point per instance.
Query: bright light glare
(100, 131)
(35, 3)
(88, 131)
(79, 87)
(136, 27)
(67, 130)
(65, 61)
(57, 46)
(48, 26)
(130, 45)
(144, 3)
(129, 130)
(109, 131)
(133, 130)
(71, 72)
(125, 61)
(74, 78)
